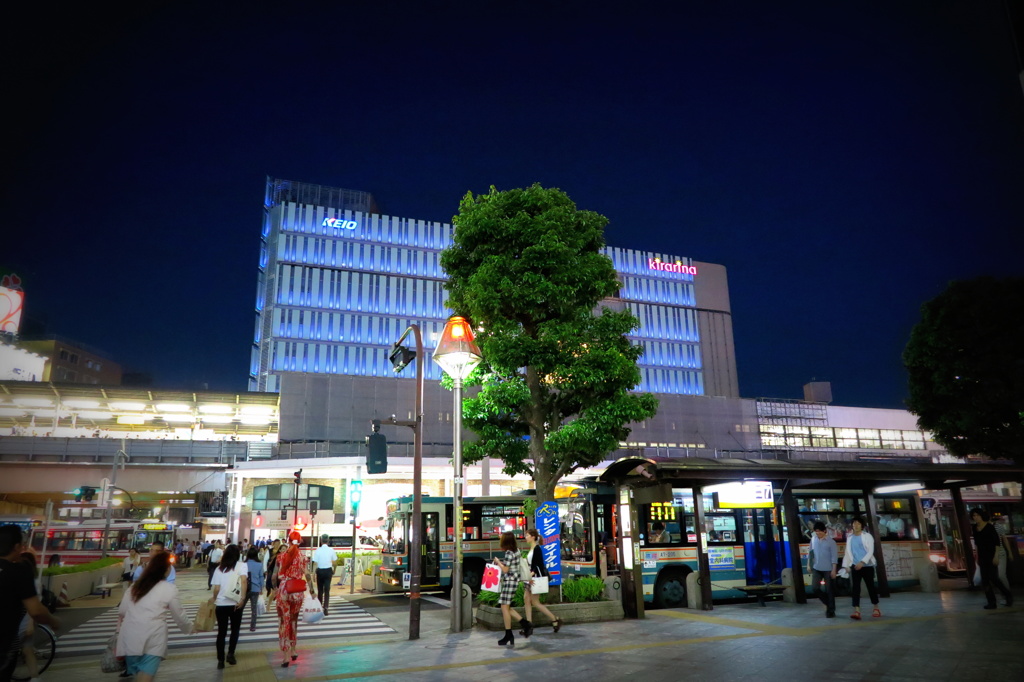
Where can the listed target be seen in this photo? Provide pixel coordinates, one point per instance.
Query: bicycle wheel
(43, 644)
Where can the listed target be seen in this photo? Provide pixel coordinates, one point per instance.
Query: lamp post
(400, 357)
(458, 355)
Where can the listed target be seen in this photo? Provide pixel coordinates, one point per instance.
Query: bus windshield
(575, 529)
(396, 527)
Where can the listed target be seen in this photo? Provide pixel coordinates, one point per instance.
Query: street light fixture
(458, 355)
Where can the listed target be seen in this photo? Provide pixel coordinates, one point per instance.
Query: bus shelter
(677, 516)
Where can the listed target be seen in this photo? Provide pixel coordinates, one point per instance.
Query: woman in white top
(142, 628)
(859, 560)
(230, 591)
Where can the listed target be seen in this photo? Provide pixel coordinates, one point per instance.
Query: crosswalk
(345, 620)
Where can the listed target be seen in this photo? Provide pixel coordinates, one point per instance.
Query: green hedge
(574, 590)
(83, 568)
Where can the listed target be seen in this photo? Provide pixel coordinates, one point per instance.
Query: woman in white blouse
(142, 628)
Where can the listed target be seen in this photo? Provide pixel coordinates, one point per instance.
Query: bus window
(395, 542)
(896, 519)
(575, 532)
(496, 519)
(662, 526)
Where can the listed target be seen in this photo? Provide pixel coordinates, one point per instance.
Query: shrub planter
(584, 612)
(368, 583)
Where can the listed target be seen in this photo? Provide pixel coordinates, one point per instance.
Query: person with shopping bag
(142, 627)
(255, 566)
(293, 580)
(538, 584)
(230, 592)
(510, 579)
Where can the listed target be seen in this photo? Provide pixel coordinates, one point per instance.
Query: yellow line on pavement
(731, 622)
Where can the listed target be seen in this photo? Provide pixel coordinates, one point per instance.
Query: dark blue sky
(844, 161)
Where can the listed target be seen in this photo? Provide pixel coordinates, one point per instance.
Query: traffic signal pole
(416, 541)
(108, 495)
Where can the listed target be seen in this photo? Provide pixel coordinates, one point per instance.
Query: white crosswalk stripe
(345, 620)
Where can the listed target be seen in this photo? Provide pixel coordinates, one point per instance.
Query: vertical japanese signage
(550, 543)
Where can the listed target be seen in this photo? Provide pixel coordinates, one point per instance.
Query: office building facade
(339, 283)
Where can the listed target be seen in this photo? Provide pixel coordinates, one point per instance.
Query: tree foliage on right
(965, 361)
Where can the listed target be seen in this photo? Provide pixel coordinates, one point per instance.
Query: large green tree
(965, 360)
(526, 269)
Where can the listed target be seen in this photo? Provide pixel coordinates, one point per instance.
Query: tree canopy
(965, 361)
(526, 268)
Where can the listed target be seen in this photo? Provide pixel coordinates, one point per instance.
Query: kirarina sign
(550, 543)
(678, 266)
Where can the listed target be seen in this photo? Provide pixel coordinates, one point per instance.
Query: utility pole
(109, 493)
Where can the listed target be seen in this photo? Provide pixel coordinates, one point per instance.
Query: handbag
(109, 662)
(525, 572)
(540, 585)
(294, 585)
(205, 618)
(491, 582)
(261, 605)
(233, 588)
(312, 610)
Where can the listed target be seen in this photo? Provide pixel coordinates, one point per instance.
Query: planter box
(586, 612)
(81, 584)
(368, 583)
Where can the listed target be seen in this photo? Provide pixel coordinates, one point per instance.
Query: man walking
(215, 554)
(154, 549)
(821, 562)
(325, 560)
(986, 539)
(17, 598)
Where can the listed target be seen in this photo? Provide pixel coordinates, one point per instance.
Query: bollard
(63, 598)
(693, 595)
(789, 595)
(927, 574)
(467, 608)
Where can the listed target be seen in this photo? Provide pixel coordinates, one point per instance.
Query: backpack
(49, 600)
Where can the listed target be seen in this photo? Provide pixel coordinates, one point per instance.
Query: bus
(945, 543)
(585, 511)
(84, 542)
(751, 546)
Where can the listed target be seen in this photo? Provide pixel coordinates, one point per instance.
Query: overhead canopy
(687, 471)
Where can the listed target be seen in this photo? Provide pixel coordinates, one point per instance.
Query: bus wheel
(670, 589)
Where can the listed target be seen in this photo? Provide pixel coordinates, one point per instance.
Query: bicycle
(44, 644)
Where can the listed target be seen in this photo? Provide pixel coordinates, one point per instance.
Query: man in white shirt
(325, 559)
(215, 554)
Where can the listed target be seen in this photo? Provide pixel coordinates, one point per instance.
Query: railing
(96, 450)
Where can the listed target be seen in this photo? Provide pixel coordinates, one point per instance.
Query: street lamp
(458, 355)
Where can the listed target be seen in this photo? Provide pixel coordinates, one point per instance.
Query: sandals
(876, 613)
(855, 615)
(556, 624)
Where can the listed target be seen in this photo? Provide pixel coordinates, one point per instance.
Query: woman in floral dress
(291, 565)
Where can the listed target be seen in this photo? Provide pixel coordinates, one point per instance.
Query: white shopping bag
(312, 611)
(261, 605)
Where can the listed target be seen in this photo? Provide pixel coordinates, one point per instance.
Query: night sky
(844, 160)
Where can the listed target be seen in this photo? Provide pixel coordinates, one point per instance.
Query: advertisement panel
(550, 543)
(11, 303)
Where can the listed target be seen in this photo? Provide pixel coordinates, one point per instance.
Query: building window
(63, 354)
(73, 359)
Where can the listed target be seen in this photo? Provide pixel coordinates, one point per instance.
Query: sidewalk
(921, 636)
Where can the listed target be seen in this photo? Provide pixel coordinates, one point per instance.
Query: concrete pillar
(789, 595)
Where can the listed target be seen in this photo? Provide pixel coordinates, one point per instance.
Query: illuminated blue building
(339, 283)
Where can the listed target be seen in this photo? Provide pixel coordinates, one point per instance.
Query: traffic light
(298, 477)
(355, 495)
(258, 521)
(377, 458)
(284, 515)
(84, 492)
(300, 523)
(314, 507)
(400, 357)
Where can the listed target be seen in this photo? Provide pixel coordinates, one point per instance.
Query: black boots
(508, 639)
(526, 628)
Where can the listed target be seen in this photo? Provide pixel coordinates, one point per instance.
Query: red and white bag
(492, 578)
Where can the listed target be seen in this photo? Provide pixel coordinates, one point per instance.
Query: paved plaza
(922, 636)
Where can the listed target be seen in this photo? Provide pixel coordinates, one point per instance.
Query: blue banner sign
(550, 543)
